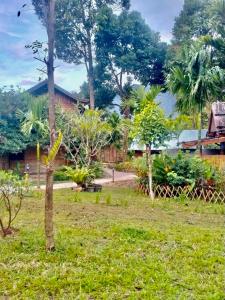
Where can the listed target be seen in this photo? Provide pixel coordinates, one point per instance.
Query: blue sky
(17, 66)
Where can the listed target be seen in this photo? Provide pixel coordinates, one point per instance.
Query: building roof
(42, 88)
(217, 119)
(172, 144)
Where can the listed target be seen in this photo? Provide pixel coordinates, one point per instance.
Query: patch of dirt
(126, 183)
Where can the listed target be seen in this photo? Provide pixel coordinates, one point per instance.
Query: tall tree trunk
(38, 166)
(91, 74)
(50, 245)
(149, 163)
(126, 134)
(200, 130)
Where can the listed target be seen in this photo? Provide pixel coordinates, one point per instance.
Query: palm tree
(195, 80)
(142, 96)
(35, 121)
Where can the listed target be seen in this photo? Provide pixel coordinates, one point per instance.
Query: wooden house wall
(4, 163)
(217, 160)
(111, 154)
(64, 101)
(30, 158)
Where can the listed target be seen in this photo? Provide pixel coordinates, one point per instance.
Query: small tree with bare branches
(12, 190)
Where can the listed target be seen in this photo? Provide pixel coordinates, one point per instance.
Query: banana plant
(35, 120)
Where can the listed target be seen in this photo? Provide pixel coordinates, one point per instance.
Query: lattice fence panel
(163, 192)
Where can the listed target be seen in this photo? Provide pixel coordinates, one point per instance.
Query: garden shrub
(60, 175)
(97, 169)
(126, 166)
(179, 170)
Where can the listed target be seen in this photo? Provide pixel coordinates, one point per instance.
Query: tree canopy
(76, 23)
(12, 140)
(128, 50)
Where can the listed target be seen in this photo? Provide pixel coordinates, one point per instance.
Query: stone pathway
(118, 177)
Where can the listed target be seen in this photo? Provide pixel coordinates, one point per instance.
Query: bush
(60, 175)
(140, 166)
(179, 170)
(126, 166)
(97, 169)
(80, 176)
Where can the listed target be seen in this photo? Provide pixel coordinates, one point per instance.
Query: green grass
(116, 245)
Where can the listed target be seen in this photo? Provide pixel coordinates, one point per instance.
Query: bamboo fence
(206, 194)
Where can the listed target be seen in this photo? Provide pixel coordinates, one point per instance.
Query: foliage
(120, 126)
(84, 135)
(126, 166)
(104, 93)
(96, 168)
(140, 166)
(76, 26)
(193, 21)
(179, 123)
(195, 79)
(127, 46)
(80, 176)
(60, 175)
(49, 159)
(150, 125)
(141, 96)
(12, 190)
(12, 140)
(179, 170)
(150, 128)
(76, 23)
(35, 118)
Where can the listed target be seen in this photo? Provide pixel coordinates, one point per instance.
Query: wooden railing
(206, 194)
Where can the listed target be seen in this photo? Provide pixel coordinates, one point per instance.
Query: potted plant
(83, 177)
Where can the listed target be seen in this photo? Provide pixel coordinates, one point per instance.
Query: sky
(17, 66)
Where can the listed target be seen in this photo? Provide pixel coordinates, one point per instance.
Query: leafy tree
(104, 92)
(192, 22)
(11, 138)
(128, 49)
(115, 121)
(76, 22)
(216, 37)
(150, 128)
(84, 135)
(195, 80)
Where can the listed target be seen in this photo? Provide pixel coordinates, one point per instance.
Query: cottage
(62, 97)
(216, 129)
(28, 157)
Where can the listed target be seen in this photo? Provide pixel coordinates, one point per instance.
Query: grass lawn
(116, 245)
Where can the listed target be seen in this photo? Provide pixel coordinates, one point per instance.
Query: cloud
(159, 14)
(11, 34)
(27, 82)
(17, 64)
